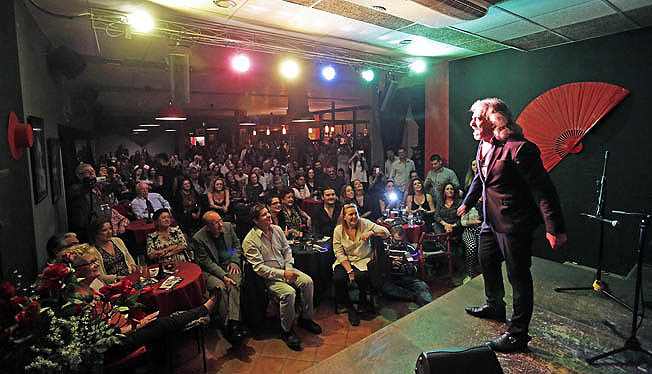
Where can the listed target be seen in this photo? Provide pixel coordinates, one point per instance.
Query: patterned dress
(156, 242)
(117, 264)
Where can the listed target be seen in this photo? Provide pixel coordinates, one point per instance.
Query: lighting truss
(241, 38)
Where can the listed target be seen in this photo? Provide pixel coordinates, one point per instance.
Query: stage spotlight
(328, 73)
(368, 75)
(418, 66)
(240, 63)
(393, 197)
(289, 69)
(140, 21)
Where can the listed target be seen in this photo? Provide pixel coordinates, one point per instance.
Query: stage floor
(566, 329)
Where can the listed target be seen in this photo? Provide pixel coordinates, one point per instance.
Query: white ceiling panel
(511, 30)
(529, 8)
(575, 14)
(626, 5)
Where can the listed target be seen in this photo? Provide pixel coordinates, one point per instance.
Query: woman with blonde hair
(218, 196)
(353, 251)
(470, 174)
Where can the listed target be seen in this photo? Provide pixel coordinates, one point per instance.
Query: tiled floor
(267, 354)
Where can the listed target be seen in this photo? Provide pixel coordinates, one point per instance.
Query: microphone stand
(598, 284)
(632, 343)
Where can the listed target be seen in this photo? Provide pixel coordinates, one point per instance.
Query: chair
(435, 247)
(197, 326)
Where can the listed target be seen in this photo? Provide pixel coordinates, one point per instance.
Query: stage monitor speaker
(66, 61)
(389, 95)
(476, 360)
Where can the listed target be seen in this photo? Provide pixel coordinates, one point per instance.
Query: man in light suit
(518, 195)
(218, 253)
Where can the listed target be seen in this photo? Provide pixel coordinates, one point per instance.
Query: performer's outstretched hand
(556, 241)
(462, 210)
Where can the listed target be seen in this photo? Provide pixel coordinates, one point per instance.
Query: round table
(318, 265)
(140, 228)
(308, 204)
(185, 295)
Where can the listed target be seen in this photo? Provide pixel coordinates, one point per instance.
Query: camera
(404, 258)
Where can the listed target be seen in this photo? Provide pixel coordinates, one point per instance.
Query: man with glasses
(218, 253)
(268, 252)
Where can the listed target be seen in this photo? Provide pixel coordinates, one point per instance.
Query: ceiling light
(284, 130)
(289, 69)
(328, 73)
(418, 66)
(171, 112)
(240, 63)
(212, 129)
(170, 130)
(267, 131)
(309, 130)
(379, 8)
(247, 124)
(140, 21)
(253, 132)
(149, 125)
(368, 75)
(139, 130)
(225, 3)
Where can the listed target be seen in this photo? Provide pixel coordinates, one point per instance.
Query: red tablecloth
(186, 295)
(308, 204)
(140, 228)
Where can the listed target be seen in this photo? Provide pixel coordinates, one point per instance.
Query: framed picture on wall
(39, 160)
(54, 155)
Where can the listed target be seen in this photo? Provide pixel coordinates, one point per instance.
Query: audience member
(112, 254)
(401, 170)
(352, 248)
(268, 252)
(331, 180)
(325, 216)
(438, 176)
(346, 194)
(418, 201)
(358, 165)
(218, 253)
(446, 219)
(146, 202)
(293, 216)
(470, 174)
(188, 207)
(367, 206)
(254, 190)
(60, 241)
(301, 189)
(219, 197)
(472, 224)
(391, 198)
(85, 201)
(165, 243)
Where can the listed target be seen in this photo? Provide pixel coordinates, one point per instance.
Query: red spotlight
(240, 63)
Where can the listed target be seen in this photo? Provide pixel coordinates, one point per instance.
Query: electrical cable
(53, 14)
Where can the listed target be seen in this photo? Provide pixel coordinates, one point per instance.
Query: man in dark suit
(518, 195)
(218, 253)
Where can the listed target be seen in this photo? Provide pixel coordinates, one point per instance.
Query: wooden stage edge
(566, 328)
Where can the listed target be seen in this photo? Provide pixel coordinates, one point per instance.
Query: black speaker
(66, 61)
(476, 360)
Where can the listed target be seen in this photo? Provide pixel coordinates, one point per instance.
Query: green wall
(624, 59)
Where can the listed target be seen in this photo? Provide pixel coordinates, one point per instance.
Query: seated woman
(346, 194)
(391, 198)
(254, 190)
(418, 201)
(446, 219)
(236, 190)
(114, 259)
(367, 207)
(188, 208)
(472, 223)
(470, 174)
(274, 206)
(353, 251)
(166, 243)
(151, 330)
(293, 216)
(219, 198)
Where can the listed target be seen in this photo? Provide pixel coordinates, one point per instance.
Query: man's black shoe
(233, 333)
(291, 339)
(486, 312)
(354, 320)
(510, 343)
(310, 325)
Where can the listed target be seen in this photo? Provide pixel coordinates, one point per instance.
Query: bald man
(218, 253)
(147, 202)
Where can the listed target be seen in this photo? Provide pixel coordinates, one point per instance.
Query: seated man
(324, 217)
(58, 242)
(268, 252)
(218, 253)
(401, 282)
(146, 202)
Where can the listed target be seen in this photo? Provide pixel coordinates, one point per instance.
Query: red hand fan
(557, 120)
